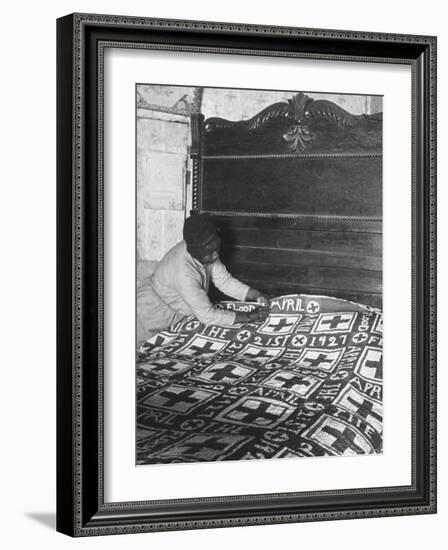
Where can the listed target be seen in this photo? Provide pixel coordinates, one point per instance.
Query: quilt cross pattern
(308, 381)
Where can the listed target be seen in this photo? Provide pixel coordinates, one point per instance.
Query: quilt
(307, 381)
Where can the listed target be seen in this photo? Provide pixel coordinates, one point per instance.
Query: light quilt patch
(308, 381)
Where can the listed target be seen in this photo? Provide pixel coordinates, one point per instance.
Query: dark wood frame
(81, 510)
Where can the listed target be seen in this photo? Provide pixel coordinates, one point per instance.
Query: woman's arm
(227, 284)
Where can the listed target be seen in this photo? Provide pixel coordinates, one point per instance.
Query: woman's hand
(254, 295)
(257, 315)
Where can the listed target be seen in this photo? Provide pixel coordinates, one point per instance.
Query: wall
(163, 135)
(162, 161)
(27, 230)
(244, 104)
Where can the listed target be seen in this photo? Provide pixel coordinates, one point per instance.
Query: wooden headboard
(297, 194)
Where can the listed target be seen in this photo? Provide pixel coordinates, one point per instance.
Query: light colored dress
(178, 287)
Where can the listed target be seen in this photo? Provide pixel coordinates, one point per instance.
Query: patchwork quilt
(307, 381)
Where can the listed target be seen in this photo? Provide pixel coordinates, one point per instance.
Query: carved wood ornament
(297, 113)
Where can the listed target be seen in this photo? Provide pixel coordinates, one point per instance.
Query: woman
(178, 287)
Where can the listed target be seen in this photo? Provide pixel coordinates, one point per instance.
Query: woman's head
(201, 236)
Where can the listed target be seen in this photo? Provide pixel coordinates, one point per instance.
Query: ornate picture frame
(81, 506)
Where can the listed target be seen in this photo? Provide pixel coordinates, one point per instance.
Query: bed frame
(296, 192)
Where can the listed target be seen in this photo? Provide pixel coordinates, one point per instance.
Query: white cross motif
(202, 345)
(299, 340)
(291, 381)
(321, 359)
(370, 365)
(338, 436)
(243, 335)
(192, 325)
(260, 354)
(279, 324)
(312, 306)
(378, 324)
(334, 322)
(368, 409)
(165, 366)
(177, 398)
(359, 337)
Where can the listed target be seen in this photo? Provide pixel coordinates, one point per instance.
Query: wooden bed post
(197, 122)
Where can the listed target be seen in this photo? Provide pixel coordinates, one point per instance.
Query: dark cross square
(344, 440)
(160, 340)
(295, 381)
(334, 323)
(173, 398)
(281, 324)
(207, 347)
(168, 366)
(365, 408)
(262, 353)
(214, 443)
(377, 365)
(252, 415)
(219, 373)
(312, 307)
(317, 360)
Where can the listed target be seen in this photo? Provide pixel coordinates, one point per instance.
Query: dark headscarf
(198, 231)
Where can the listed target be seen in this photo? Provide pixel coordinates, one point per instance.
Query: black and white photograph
(222, 238)
(259, 324)
(246, 275)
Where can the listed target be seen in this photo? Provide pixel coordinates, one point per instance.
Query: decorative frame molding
(81, 510)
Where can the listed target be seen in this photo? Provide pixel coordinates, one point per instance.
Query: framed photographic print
(246, 274)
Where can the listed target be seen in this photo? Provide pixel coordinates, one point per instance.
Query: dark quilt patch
(308, 381)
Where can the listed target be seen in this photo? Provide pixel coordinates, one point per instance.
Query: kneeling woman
(178, 287)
